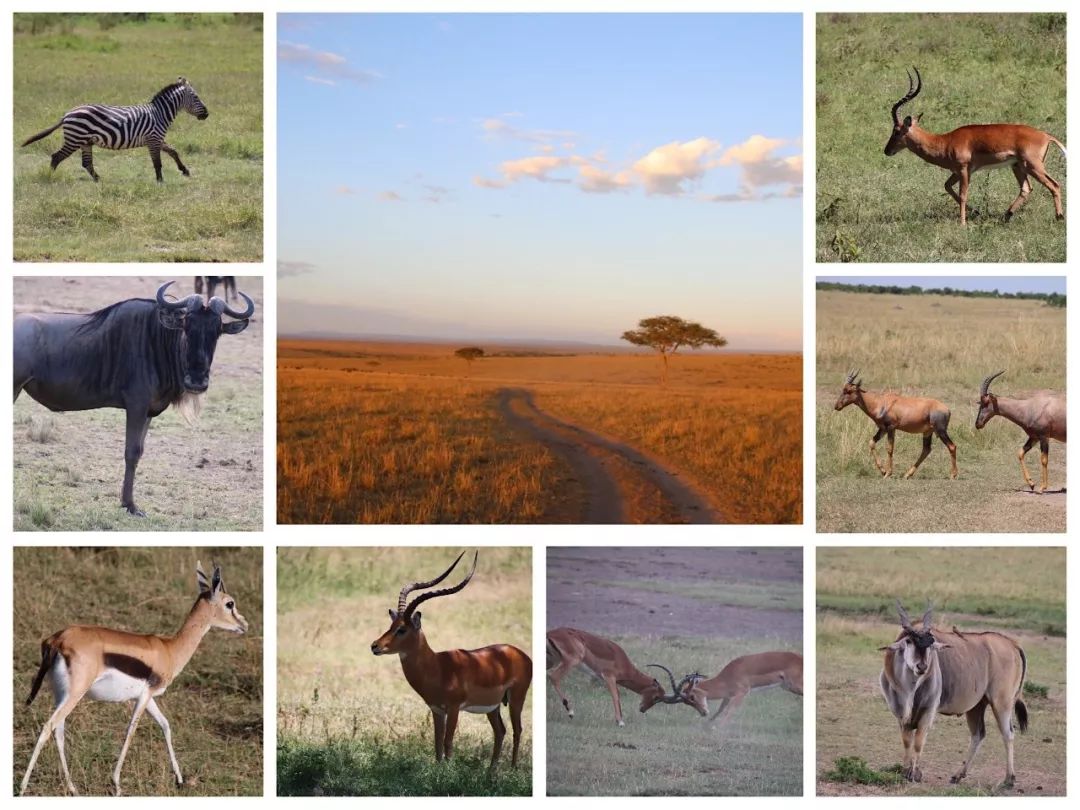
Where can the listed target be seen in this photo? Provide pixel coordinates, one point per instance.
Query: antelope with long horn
(891, 412)
(454, 681)
(1041, 416)
(928, 672)
(115, 666)
(966, 150)
(568, 647)
(739, 678)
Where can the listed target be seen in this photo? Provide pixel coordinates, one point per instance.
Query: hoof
(621, 724)
(1009, 783)
(955, 778)
(135, 511)
(186, 173)
(1059, 218)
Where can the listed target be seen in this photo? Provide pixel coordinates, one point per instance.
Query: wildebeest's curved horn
(851, 376)
(219, 306)
(905, 620)
(190, 303)
(984, 389)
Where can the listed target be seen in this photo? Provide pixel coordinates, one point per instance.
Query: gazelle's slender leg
(440, 734)
(499, 729)
(950, 445)
(950, 186)
(892, 446)
(728, 708)
(1025, 190)
(58, 716)
(873, 452)
(451, 728)
(965, 178)
(557, 674)
(517, 702)
(140, 706)
(926, 440)
(613, 687)
(58, 735)
(1044, 459)
(1023, 467)
(1039, 173)
(153, 710)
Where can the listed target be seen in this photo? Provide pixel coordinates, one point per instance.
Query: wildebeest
(139, 355)
(208, 285)
(929, 672)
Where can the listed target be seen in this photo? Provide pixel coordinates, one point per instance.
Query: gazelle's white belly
(1000, 165)
(113, 686)
(480, 709)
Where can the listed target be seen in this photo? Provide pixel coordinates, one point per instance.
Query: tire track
(586, 452)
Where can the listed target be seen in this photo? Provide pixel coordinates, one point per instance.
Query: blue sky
(1010, 284)
(540, 176)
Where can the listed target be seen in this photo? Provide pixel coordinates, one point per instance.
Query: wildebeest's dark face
(202, 329)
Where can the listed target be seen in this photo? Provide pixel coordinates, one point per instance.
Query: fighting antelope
(929, 672)
(126, 127)
(966, 150)
(116, 666)
(892, 412)
(457, 680)
(738, 679)
(568, 647)
(1041, 415)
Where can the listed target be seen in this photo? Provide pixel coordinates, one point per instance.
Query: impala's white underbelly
(989, 166)
(113, 686)
(480, 709)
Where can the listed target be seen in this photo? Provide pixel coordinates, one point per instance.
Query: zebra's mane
(166, 91)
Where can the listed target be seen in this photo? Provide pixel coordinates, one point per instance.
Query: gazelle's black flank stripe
(126, 127)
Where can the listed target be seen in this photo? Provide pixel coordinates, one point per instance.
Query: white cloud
(666, 169)
(484, 182)
(760, 171)
(287, 269)
(498, 128)
(320, 80)
(390, 196)
(598, 181)
(326, 65)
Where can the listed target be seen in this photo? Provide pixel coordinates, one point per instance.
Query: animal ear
(907, 121)
(181, 80)
(895, 646)
(234, 327)
(216, 585)
(393, 615)
(201, 578)
(416, 620)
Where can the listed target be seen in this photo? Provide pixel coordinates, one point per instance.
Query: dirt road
(622, 484)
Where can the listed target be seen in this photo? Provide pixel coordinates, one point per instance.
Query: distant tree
(469, 353)
(666, 334)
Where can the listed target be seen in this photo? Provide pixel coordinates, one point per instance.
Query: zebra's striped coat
(126, 127)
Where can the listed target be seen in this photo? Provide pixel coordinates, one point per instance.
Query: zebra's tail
(43, 133)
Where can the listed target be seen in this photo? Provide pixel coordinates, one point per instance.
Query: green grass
(348, 723)
(852, 718)
(214, 215)
(941, 347)
(976, 68)
(215, 706)
(670, 751)
(855, 771)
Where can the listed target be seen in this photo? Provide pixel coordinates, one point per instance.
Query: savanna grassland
(941, 347)
(205, 476)
(692, 610)
(1017, 591)
(64, 60)
(215, 706)
(976, 69)
(407, 433)
(348, 722)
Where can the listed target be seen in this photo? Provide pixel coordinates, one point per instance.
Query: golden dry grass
(407, 433)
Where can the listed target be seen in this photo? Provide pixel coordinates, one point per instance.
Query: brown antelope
(892, 412)
(966, 150)
(929, 672)
(453, 681)
(568, 647)
(739, 678)
(116, 667)
(1041, 415)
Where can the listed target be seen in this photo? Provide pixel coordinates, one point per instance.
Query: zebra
(126, 127)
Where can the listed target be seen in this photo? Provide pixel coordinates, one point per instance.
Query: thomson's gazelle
(116, 666)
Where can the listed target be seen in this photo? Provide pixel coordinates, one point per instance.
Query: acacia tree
(469, 353)
(666, 334)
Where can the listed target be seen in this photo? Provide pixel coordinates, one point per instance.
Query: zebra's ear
(181, 80)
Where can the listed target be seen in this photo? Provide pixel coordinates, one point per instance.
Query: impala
(568, 647)
(738, 679)
(929, 672)
(892, 412)
(453, 681)
(116, 667)
(1041, 416)
(966, 150)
